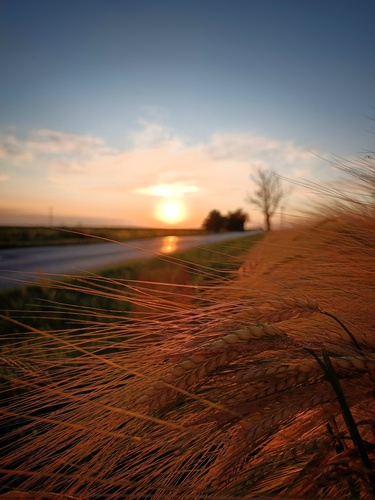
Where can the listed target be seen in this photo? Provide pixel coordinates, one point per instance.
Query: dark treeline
(233, 221)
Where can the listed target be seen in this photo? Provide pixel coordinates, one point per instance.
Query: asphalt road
(26, 265)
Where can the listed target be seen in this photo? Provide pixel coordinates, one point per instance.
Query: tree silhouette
(235, 221)
(268, 194)
(214, 221)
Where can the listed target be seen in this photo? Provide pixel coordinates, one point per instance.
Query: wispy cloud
(13, 148)
(153, 134)
(252, 148)
(174, 190)
(55, 142)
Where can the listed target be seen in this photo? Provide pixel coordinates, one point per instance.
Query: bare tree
(268, 193)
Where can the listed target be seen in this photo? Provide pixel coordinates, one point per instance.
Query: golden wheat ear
(287, 308)
(197, 367)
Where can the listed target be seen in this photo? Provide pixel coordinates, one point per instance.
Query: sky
(154, 112)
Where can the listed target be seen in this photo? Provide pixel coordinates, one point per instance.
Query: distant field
(15, 237)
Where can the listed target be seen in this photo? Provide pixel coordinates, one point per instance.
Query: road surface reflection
(169, 244)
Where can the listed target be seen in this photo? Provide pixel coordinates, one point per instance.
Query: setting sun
(171, 212)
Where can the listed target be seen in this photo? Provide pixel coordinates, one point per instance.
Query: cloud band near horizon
(84, 177)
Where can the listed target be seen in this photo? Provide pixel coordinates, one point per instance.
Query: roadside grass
(110, 295)
(15, 237)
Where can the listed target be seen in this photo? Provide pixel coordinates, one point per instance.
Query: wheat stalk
(274, 415)
(286, 308)
(222, 351)
(302, 399)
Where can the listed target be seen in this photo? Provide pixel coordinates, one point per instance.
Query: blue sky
(110, 108)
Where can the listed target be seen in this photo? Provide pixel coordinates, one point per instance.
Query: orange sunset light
(171, 211)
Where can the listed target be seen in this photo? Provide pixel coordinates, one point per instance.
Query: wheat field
(260, 387)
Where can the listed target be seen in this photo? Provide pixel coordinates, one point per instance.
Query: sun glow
(171, 211)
